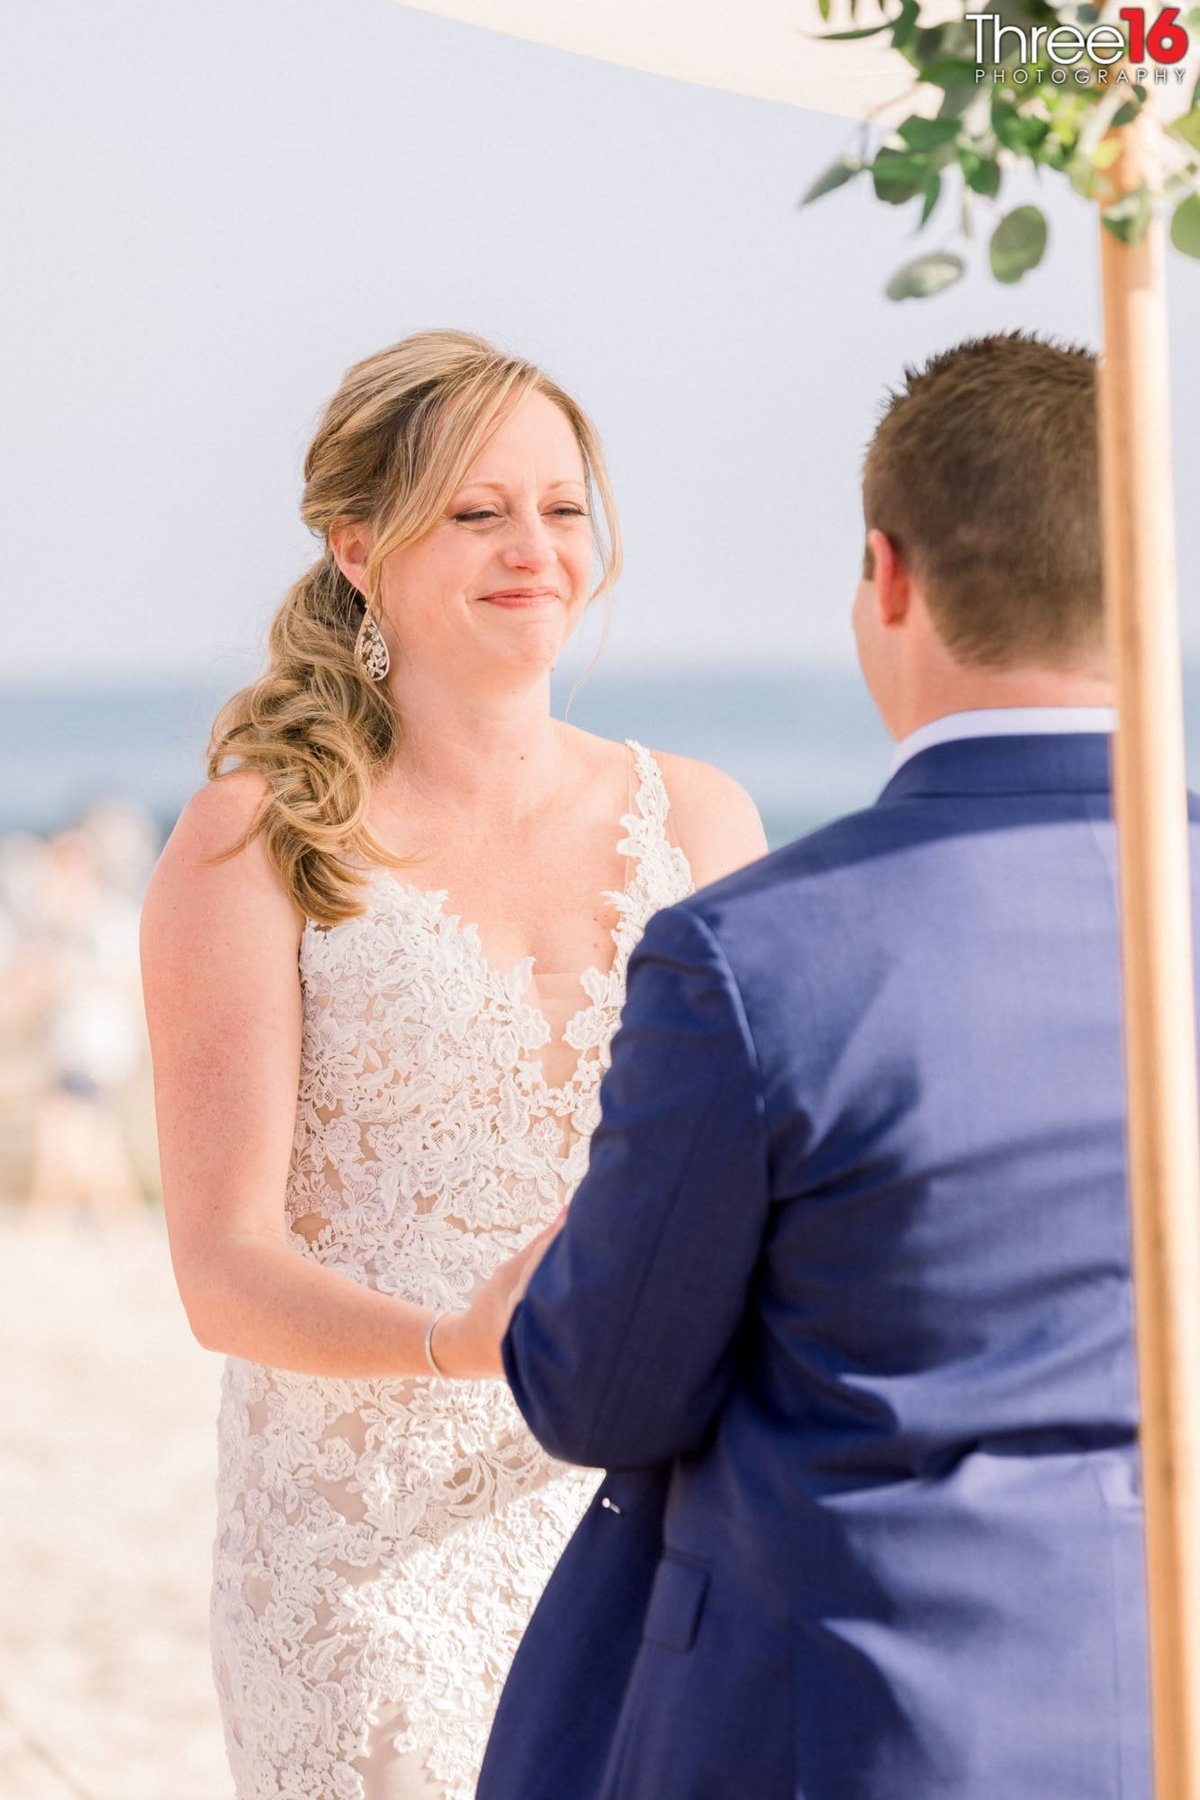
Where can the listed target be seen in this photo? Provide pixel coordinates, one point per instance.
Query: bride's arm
(219, 957)
(713, 819)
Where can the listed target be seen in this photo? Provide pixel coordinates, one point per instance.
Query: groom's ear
(888, 571)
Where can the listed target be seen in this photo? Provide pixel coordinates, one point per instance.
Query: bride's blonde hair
(393, 444)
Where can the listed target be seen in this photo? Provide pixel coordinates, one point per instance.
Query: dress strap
(660, 872)
(649, 802)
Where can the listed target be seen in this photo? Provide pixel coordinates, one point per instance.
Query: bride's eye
(570, 512)
(465, 518)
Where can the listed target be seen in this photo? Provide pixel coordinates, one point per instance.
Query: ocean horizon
(807, 744)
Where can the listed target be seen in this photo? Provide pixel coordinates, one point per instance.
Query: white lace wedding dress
(381, 1543)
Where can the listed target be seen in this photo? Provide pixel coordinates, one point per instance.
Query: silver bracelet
(439, 1313)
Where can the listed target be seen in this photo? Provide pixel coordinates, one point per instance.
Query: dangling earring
(370, 648)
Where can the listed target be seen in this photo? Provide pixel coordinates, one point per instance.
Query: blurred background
(213, 209)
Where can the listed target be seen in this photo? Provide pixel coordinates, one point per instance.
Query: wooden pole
(1160, 1041)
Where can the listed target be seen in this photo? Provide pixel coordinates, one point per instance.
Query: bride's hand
(466, 1345)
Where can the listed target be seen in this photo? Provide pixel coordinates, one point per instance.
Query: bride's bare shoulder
(715, 822)
(215, 862)
(220, 814)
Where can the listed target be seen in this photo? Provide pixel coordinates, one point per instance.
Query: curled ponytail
(321, 733)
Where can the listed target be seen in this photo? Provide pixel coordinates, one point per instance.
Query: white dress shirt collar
(1003, 721)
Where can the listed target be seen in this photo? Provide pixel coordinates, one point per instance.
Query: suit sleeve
(622, 1349)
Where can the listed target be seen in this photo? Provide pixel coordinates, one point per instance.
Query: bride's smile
(521, 597)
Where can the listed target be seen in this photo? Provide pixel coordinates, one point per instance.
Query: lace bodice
(384, 1541)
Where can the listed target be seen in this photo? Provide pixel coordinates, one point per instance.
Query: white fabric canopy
(768, 49)
(764, 48)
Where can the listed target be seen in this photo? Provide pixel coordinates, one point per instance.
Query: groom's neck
(957, 689)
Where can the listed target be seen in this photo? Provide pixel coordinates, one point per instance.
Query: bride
(384, 956)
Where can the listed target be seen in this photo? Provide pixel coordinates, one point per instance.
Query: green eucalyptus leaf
(1187, 129)
(933, 193)
(1129, 217)
(928, 42)
(928, 134)
(1185, 226)
(927, 275)
(949, 72)
(960, 102)
(1082, 176)
(1125, 115)
(1018, 243)
(981, 173)
(834, 177)
(904, 30)
(1023, 133)
(1068, 115)
(860, 31)
(823, 9)
(898, 175)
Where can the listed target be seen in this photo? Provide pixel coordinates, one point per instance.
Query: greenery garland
(978, 116)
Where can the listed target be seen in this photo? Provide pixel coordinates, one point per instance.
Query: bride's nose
(529, 544)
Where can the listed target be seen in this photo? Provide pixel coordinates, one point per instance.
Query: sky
(213, 208)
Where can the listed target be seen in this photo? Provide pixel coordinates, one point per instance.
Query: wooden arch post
(1160, 1040)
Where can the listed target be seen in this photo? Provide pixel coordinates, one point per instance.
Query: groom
(845, 1293)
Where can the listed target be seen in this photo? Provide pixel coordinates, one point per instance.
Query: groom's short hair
(984, 472)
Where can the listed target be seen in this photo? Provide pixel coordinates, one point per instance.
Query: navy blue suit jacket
(845, 1300)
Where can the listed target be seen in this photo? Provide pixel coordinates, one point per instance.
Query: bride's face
(501, 580)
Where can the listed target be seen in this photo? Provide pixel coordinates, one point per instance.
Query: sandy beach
(106, 1477)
